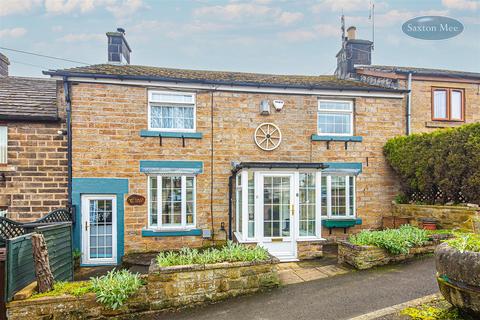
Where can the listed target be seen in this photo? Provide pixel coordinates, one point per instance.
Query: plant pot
(458, 277)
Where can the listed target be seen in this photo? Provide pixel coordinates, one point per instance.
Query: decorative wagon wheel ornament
(268, 136)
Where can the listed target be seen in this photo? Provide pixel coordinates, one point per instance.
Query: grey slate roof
(28, 99)
(422, 71)
(148, 73)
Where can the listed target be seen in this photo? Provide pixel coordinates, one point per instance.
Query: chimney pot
(121, 30)
(4, 62)
(351, 33)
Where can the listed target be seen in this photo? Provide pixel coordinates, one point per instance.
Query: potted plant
(429, 223)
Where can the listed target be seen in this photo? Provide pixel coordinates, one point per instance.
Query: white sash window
(338, 196)
(171, 111)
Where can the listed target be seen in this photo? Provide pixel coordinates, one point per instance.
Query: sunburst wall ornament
(268, 136)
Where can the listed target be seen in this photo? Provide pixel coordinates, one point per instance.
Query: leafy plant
(431, 313)
(465, 242)
(401, 198)
(76, 288)
(77, 254)
(114, 288)
(231, 252)
(395, 241)
(445, 160)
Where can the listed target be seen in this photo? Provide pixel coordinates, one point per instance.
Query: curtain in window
(440, 104)
(171, 117)
(456, 105)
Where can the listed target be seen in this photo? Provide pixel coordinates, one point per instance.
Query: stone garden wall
(166, 288)
(310, 249)
(365, 257)
(449, 217)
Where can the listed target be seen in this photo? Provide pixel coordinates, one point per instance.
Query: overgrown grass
(114, 288)
(231, 252)
(465, 242)
(77, 288)
(395, 241)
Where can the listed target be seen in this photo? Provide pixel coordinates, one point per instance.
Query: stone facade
(166, 288)
(449, 217)
(309, 249)
(107, 120)
(35, 180)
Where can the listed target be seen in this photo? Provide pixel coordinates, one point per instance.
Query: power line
(29, 64)
(44, 56)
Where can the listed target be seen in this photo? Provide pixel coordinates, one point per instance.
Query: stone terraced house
(33, 162)
(164, 158)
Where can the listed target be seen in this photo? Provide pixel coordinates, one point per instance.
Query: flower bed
(164, 287)
(374, 248)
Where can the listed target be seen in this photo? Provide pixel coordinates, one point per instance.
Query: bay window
(335, 117)
(171, 201)
(338, 196)
(448, 104)
(171, 111)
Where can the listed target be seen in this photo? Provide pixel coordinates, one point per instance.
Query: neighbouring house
(438, 98)
(164, 158)
(33, 164)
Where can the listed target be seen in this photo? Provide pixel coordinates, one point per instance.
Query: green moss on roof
(220, 77)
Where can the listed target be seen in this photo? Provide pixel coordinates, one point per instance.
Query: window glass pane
(251, 205)
(3, 144)
(190, 199)
(153, 202)
(352, 195)
(172, 201)
(440, 104)
(334, 123)
(307, 204)
(171, 117)
(276, 206)
(324, 196)
(239, 203)
(335, 105)
(456, 105)
(168, 97)
(338, 196)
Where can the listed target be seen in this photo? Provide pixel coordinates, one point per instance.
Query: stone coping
(53, 299)
(437, 206)
(435, 239)
(154, 268)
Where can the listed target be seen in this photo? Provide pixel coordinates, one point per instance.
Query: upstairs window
(335, 117)
(3, 144)
(448, 104)
(171, 111)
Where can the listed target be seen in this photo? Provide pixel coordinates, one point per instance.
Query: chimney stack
(4, 62)
(118, 48)
(353, 52)
(351, 33)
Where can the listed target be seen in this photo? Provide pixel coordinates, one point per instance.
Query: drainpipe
(230, 197)
(66, 91)
(409, 103)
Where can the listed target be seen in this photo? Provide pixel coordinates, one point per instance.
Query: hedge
(443, 165)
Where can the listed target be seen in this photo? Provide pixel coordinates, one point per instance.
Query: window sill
(171, 233)
(307, 239)
(171, 134)
(316, 137)
(443, 124)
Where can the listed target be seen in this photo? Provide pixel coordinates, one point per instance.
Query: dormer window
(171, 111)
(335, 118)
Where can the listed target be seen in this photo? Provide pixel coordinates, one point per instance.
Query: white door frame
(85, 227)
(259, 194)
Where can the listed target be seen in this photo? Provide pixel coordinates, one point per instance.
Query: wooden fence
(19, 265)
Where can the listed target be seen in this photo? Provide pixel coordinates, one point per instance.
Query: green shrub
(76, 288)
(445, 160)
(231, 252)
(465, 242)
(401, 198)
(431, 313)
(114, 288)
(395, 241)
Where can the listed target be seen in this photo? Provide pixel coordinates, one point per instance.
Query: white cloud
(12, 33)
(462, 4)
(242, 11)
(8, 7)
(81, 37)
(315, 32)
(174, 31)
(57, 28)
(391, 17)
(339, 5)
(125, 8)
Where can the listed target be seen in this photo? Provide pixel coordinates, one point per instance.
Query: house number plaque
(135, 200)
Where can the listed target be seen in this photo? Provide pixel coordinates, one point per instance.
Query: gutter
(217, 82)
(409, 103)
(67, 92)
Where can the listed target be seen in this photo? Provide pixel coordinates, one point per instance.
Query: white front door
(99, 229)
(277, 208)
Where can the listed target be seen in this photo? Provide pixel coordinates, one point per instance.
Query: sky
(265, 36)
